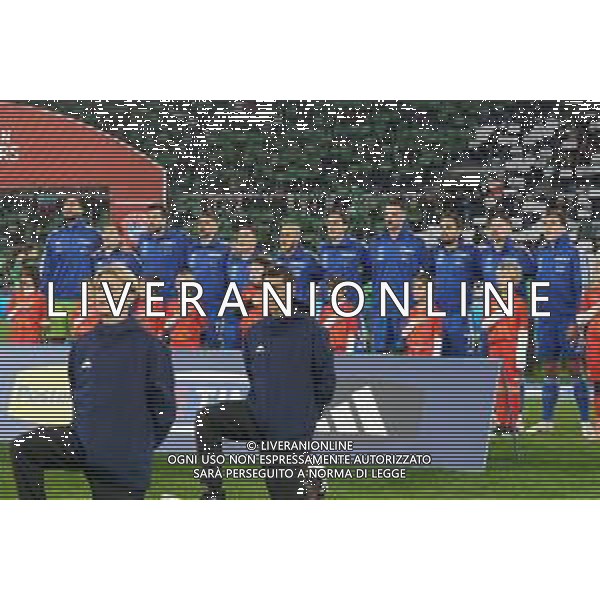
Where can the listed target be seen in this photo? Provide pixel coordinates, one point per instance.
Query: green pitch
(561, 465)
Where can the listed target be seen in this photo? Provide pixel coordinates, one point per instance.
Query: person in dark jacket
(123, 406)
(289, 364)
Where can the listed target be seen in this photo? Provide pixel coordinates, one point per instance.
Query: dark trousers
(59, 448)
(234, 421)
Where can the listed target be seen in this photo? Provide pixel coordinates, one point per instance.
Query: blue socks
(550, 391)
(583, 399)
(549, 398)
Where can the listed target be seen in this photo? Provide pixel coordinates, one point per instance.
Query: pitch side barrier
(441, 407)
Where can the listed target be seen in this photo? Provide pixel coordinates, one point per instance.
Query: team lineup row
(397, 256)
(73, 252)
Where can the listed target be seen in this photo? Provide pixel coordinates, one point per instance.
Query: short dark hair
(208, 213)
(422, 276)
(453, 216)
(338, 212)
(290, 222)
(248, 226)
(397, 202)
(275, 272)
(77, 199)
(29, 272)
(263, 261)
(499, 214)
(554, 212)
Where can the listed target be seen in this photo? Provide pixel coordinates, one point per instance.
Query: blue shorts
(551, 339)
(455, 341)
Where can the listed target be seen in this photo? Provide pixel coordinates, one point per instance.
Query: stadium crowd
(565, 344)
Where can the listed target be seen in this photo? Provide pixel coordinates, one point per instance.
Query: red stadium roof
(42, 149)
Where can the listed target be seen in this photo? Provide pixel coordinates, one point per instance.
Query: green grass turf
(561, 465)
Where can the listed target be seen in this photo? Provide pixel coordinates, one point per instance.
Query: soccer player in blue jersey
(67, 261)
(342, 256)
(244, 252)
(499, 246)
(558, 263)
(395, 257)
(454, 261)
(207, 261)
(163, 252)
(297, 259)
(114, 251)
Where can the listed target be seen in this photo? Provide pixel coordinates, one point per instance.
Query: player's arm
(161, 390)
(47, 266)
(521, 349)
(527, 263)
(136, 264)
(364, 260)
(428, 259)
(521, 324)
(352, 325)
(423, 255)
(588, 309)
(576, 278)
(186, 244)
(494, 318)
(97, 241)
(476, 267)
(316, 270)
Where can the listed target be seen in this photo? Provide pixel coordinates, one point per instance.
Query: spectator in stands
(395, 256)
(506, 337)
(290, 368)
(67, 261)
(343, 331)
(27, 311)
(115, 251)
(163, 251)
(454, 261)
(297, 259)
(422, 333)
(244, 252)
(557, 262)
(123, 400)
(207, 260)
